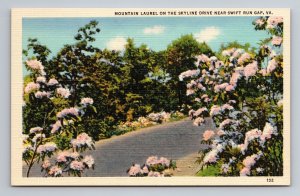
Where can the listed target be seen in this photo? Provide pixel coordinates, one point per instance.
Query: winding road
(179, 141)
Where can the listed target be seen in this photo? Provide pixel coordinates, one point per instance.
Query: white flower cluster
(86, 101)
(64, 156)
(89, 161)
(68, 111)
(136, 170)
(248, 162)
(47, 147)
(199, 121)
(261, 136)
(52, 82)
(56, 126)
(63, 92)
(36, 130)
(159, 117)
(148, 169)
(189, 73)
(42, 94)
(31, 86)
(153, 160)
(36, 65)
(82, 140)
(55, 171)
(228, 123)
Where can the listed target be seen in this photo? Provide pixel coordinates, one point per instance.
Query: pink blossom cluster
(208, 134)
(46, 164)
(47, 147)
(153, 160)
(191, 84)
(244, 58)
(253, 134)
(250, 69)
(234, 78)
(82, 140)
(276, 40)
(89, 161)
(219, 87)
(136, 170)
(56, 126)
(202, 59)
(86, 101)
(36, 130)
(55, 171)
(69, 161)
(228, 123)
(211, 156)
(189, 73)
(76, 165)
(63, 92)
(41, 79)
(271, 66)
(220, 132)
(230, 88)
(190, 92)
(215, 110)
(205, 98)
(52, 82)
(64, 156)
(36, 65)
(274, 21)
(268, 131)
(144, 122)
(194, 84)
(154, 167)
(228, 52)
(260, 22)
(198, 121)
(225, 168)
(249, 162)
(68, 111)
(213, 58)
(151, 119)
(226, 106)
(31, 86)
(42, 94)
(200, 111)
(159, 117)
(218, 64)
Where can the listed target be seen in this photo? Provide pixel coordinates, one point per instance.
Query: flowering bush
(151, 119)
(57, 135)
(242, 92)
(154, 167)
(159, 117)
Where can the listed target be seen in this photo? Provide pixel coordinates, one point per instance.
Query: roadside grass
(211, 170)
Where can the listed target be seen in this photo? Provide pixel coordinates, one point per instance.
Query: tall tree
(181, 56)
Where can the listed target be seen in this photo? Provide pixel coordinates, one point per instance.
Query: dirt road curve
(179, 141)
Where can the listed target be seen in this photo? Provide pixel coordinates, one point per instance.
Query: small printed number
(270, 179)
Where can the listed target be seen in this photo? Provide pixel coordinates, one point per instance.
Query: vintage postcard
(150, 97)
